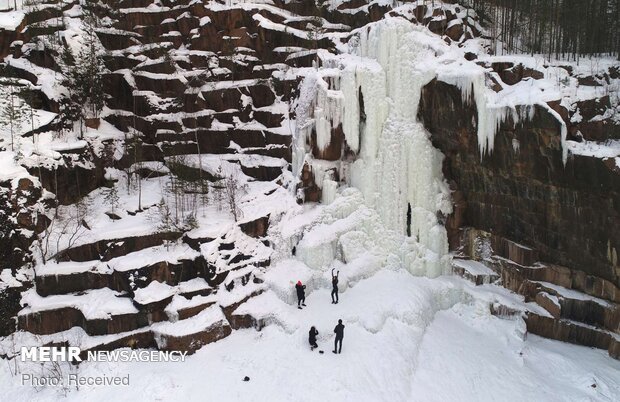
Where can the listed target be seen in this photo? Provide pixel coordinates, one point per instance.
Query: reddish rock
(333, 151)
(438, 25)
(191, 343)
(567, 331)
(72, 181)
(546, 301)
(57, 320)
(137, 340)
(192, 311)
(470, 56)
(492, 82)
(512, 74)
(455, 31)
(589, 81)
(105, 250)
(593, 107)
(559, 109)
(311, 192)
(256, 228)
(117, 41)
(10, 306)
(530, 197)
(614, 348)
(599, 130)
(92, 122)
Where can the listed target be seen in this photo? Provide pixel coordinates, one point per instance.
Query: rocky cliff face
(522, 191)
(293, 100)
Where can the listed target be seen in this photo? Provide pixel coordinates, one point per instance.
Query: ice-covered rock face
(349, 231)
(396, 167)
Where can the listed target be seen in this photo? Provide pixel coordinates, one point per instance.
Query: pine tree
(83, 75)
(91, 66)
(69, 113)
(70, 108)
(13, 112)
(111, 198)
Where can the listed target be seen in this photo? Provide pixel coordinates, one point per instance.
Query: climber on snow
(301, 294)
(339, 330)
(312, 338)
(335, 287)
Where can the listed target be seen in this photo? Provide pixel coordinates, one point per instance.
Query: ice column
(397, 165)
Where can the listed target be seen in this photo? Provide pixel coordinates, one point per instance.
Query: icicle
(329, 191)
(491, 114)
(563, 130)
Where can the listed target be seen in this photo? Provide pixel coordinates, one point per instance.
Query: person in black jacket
(339, 330)
(312, 338)
(301, 294)
(335, 287)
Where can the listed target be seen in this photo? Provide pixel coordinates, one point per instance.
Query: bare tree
(233, 191)
(67, 228)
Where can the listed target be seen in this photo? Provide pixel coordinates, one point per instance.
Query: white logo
(72, 354)
(51, 353)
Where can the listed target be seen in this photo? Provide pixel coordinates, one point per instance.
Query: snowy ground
(463, 354)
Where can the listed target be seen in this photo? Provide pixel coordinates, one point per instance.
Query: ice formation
(327, 111)
(397, 168)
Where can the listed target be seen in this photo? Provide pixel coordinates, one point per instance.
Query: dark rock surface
(569, 213)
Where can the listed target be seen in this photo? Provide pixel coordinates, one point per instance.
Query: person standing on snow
(335, 287)
(301, 294)
(339, 330)
(312, 338)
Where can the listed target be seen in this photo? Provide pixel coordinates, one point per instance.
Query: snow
(180, 302)
(398, 167)
(94, 304)
(7, 280)
(329, 191)
(572, 294)
(370, 304)
(609, 149)
(473, 267)
(11, 20)
(8, 169)
(193, 285)
(154, 292)
(206, 319)
(282, 277)
(153, 166)
(513, 369)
